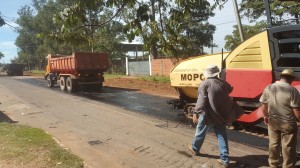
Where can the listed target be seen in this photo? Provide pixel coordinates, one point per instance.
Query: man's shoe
(192, 150)
(225, 165)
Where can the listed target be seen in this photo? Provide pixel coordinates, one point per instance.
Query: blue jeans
(220, 131)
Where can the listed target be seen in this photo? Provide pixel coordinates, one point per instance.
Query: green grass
(37, 72)
(162, 79)
(108, 76)
(34, 73)
(32, 147)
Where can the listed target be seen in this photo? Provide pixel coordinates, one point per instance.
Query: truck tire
(71, 84)
(100, 87)
(50, 83)
(62, 83)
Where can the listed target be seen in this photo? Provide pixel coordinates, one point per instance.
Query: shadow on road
(119, 89)
(242, 161)
(5, 118)
(236, 162)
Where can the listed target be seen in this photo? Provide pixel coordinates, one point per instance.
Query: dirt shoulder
(135, 83)
(149, 87)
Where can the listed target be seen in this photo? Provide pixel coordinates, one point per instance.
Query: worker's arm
(201, 102)
(264, 109)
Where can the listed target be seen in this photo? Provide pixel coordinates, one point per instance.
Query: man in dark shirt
(214, 108)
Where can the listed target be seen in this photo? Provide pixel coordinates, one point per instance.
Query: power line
(7, 20)
(224, 23)
(11, 27)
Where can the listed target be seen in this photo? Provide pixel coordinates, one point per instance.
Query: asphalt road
(119, 128)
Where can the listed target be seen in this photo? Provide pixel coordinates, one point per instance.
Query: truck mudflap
(253, 117)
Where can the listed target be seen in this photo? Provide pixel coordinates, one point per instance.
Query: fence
(150, 67)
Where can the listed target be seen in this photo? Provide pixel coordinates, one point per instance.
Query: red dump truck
(81, 69)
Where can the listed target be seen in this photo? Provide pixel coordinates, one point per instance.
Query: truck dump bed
(78, 61)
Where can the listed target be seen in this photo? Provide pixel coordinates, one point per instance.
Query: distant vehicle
(14, 69)
(84, 69)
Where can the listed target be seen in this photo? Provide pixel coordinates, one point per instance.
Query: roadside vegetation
(23, 146)
(160, 79)
(177, 29)
(108, 76)
(157, 79)
(62, 27)
(35, 73)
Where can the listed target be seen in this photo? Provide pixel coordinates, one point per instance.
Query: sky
(9, 9)
(224, 21)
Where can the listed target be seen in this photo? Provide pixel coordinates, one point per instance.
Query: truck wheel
(100, 87)
(71, 85)
(50, 83)
(62, 83)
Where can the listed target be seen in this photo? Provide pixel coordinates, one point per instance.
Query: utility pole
(212, 46)
(268, 13)
(152, 10)
(153, 49)
(238, 20)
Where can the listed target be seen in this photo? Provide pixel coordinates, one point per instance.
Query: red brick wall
(163, 66)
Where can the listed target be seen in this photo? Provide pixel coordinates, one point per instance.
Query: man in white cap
(214, 109)
(281, 109)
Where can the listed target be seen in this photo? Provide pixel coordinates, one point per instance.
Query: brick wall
(163, 66)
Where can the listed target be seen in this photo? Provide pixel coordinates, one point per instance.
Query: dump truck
(249, 68)
(79, 70)
(14, 69)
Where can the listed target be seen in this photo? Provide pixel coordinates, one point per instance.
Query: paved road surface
(110, 134)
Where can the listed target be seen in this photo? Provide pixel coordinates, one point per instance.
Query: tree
(82, 19)
(34, 20)
(1, 55)
(26, 39)
(232, 41)
(37, 33)
(280, 11)
(195, 30)
(2, 22)
(182, 27)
